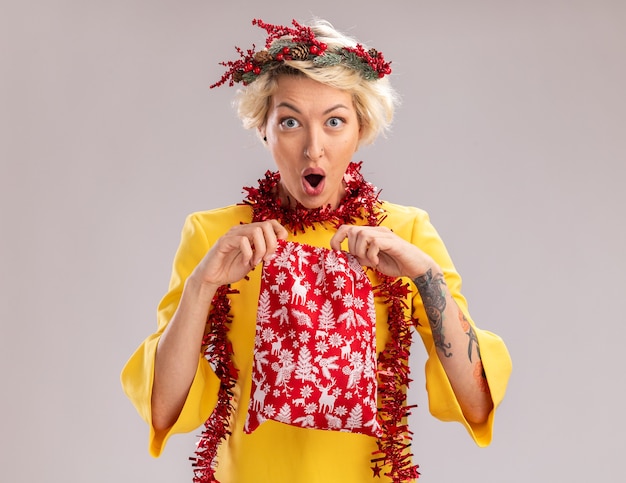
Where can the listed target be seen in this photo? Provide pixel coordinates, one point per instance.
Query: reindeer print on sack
(315, 344)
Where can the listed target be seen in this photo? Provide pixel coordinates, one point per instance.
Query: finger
(280, 231)
(270, 239)
(258, 236)
(273, 231)
(365, 247)
(339, 237)
(230, 249)
(358, 242)
(372, 253)
(246, 251)
(264, 237)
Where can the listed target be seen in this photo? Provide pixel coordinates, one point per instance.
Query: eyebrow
(327, 111)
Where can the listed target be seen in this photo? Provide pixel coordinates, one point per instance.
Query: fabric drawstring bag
(315, 344)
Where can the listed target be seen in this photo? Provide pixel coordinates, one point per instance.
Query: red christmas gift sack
(315, 344)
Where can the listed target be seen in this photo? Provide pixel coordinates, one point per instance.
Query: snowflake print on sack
(315, 345)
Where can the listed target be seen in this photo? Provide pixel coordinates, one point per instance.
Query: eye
(289, 123)
(335, 122)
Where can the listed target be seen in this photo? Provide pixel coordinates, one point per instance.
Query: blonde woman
(287, 326)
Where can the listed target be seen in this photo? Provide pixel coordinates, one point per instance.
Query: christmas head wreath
(299, 44)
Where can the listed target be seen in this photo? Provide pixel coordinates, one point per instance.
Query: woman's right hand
(228, 261)
(237, 252)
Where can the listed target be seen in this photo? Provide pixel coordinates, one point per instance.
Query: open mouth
(314, 179)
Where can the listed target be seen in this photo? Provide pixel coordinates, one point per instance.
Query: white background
(512, 134)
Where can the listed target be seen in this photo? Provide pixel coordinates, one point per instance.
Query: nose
(314, 147)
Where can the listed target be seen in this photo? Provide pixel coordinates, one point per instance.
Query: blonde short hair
(374, 100)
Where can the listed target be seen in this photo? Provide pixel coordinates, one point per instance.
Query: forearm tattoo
(479, 371)
(434, 299)
(472, 340)
(433, 295)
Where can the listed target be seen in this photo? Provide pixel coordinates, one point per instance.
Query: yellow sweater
(276, 452)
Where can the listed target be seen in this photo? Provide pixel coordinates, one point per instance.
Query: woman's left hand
(380, 248)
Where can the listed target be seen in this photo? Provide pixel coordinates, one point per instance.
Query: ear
(261, 133)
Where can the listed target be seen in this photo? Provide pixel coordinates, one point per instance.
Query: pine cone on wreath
(262, 56)
(299, 52)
